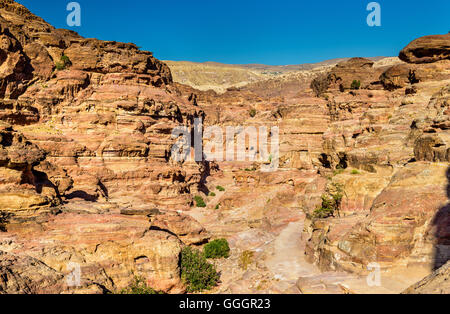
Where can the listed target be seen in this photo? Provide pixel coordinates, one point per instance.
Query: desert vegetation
(217, 249)
(196, 272)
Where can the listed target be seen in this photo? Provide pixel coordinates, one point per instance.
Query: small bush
(65, 59)
(217, 249)
(217, 206)
(338, 171)
(60, 66)
(212, 194)
(196, 272)
(139, 287)
(219, 188)
(356, 84)
(354, 171)
(63, 63)
(246, 259)
(199, 201)
(252, 113)
(331, 203)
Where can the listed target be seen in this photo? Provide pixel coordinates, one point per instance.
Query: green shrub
(354, 171)
(356, 84)
(221, 189)
(139, 286)
(331, 203)
(60, 66)
(338, 171)
(196, 272)
(199, 201)
(65, 59)
(63, 63)
(252, 113)
(217, 249)
(212, 194)
(217, 206)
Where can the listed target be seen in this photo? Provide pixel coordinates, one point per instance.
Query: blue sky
(253, 31)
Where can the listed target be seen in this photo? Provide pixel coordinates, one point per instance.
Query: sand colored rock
(436, 283)
(427, 49)
(79, 143)
(87, 176)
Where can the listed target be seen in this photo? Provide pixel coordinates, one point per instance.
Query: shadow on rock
(441, 225)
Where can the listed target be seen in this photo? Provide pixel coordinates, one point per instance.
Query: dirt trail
(288, 262)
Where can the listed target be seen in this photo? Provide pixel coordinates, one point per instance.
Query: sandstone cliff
(87, 179)
(85, 134)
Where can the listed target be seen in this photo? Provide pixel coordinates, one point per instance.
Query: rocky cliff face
(388, 149)
(87, 177)
(382, 143)
(85, 134)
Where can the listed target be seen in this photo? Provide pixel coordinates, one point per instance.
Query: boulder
(427, 49)
(398, 76)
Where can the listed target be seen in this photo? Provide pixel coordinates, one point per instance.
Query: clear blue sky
(253, 31)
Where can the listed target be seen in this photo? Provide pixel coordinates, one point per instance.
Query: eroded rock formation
(87, 177)
(85, 133)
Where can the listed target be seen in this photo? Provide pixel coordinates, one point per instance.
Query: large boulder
(398, 76)
(427, 49)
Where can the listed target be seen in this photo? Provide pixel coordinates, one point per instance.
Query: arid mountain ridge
(219, 76)
(87, 176)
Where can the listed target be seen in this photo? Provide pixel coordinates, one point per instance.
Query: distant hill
(219, 77)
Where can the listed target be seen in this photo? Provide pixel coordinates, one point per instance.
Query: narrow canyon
(87, 175)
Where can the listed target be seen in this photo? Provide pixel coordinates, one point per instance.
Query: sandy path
(288, 262)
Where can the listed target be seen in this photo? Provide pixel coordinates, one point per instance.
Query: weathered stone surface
(427, 49)
(78, 142)
(436, 283)
(356, 69)
(85, 157)
(398, 76)
(109, 248)
(27, 275)
(187, 229)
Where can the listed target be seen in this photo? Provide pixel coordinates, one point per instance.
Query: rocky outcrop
(108, 249)
(355, 73)
(24, 190)
(26, 275)
(436, 283)
(388, 152)
(85, 132)
(427, 49)
(89, 102)
(434, 143)
(398, 76)
(187, 229)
